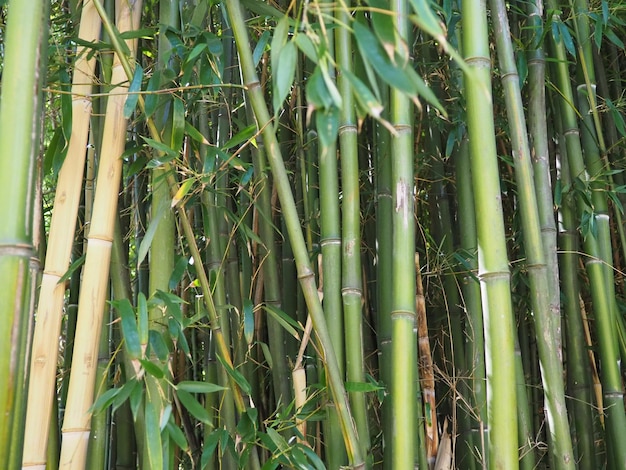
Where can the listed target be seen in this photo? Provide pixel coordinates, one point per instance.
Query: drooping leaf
(178, 124)
(149, 235)
(153, 435)
(284, 319)
(248, 321)
(142, 315)
(152, 368)
(129, 328)
(199, 387)
(327, 123)
(236, 376)
(73, 267)
(133, 92)
(194, 407)
(284, 74)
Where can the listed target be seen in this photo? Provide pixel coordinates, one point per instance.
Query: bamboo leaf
(194, 407)
(284, 74)
(55, 153)
(363, 94)
(129, 328)
(151, 100)
(177, 435)
(153, 435)
(236, 376)
(199, 387)
(248, 321)
(240, 137)
(104, 400)
(133, 92)
(179, 270)
(73, 267)
(152, 369)
(66, 104)
(259, 49)
(195, 134)
(178, 124)
(327, 123)
(285, 320)
(362, 387)
(307, 47)
(142, 314)
(183, 189)
(149, 235)
(158, 346)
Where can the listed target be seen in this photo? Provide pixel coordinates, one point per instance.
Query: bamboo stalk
(26, 34)
(351, 270)
(493, 266)
(305, 273)
(93, 292)
(60, 240)
(548, 337)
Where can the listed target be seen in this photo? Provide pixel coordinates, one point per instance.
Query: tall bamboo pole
(305, 273)
(19, 146)
(548, 337)
(93, 291)
(493, 266)
(351, 272)
(601, 282)
(404, 381)
(60, 240)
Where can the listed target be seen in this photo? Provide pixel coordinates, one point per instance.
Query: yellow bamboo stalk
(76, 425)
(67, 197)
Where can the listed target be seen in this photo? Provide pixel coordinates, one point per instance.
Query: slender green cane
(19, 145)
(578, 370)
(404, 380)
(351, 284)
(305, 273)
(547, 335)
(596, 265)
(493, 266)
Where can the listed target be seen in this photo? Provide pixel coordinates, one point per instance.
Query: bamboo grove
(312, 234)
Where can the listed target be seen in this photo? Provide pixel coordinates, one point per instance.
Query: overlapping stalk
(305, 273)
(404, 381)
(95, 275)
(493, 269)
(60, 241)
(19, 146)
(596, 245)
(351, 288)
(551, 367)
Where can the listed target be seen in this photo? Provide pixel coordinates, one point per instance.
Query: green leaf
(136, 398)
(177, 435)
(362, 387)
(278, 440)
(327, 123)
(248, 321)
(66, 104)
(363, 94)
(151, 100)
(259, 49)
(55, 153)
(283, 74)
(243, 135)
(158, 346)
(317, 92)
(142, 314)
(104, 400)
(152, 369)
(178, 272)
(73, 267)
(149, 235)
(194, 407)
(199, 387)
(133, 92)
(178, 124)
(285, 320)
(307, 47)
(236, 376)
(567, 38)
(129, 328)
(153, 436)
(161, 148)
(195, 134)
(125, 391)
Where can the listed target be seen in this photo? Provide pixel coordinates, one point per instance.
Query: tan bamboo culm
(93, 293)
(49, 314)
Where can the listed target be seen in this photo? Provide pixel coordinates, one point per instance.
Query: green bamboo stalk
(475, 355)
(51, 293)
(493, 266)
(163, 242)
(331, 249)
(547, 335)
(600, 284)
(19, 145)
(351, 270)
(305, 273)
(404, 380)
(537, 127)
(578, 371)
(383, 267)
